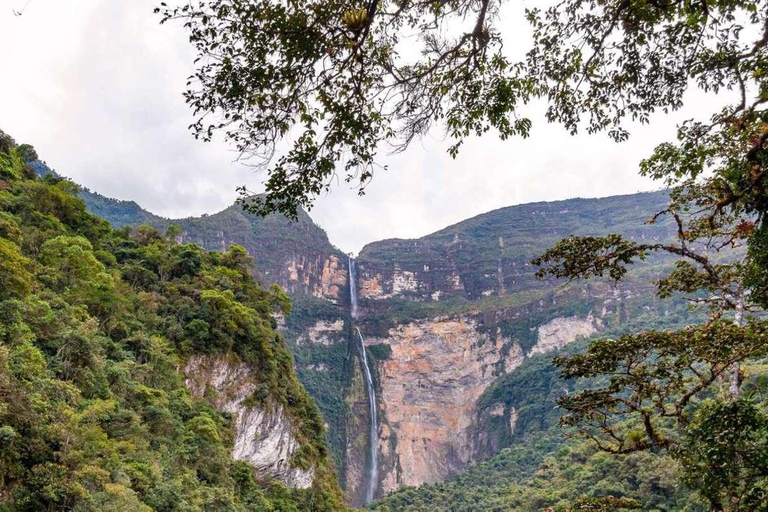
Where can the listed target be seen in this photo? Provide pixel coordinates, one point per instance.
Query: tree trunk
(738, 317)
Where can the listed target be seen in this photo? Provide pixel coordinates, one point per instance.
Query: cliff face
(436, 372)
(489, 255)
(447, 316)
(265, 436)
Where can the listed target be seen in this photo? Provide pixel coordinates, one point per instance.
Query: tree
(174, 233)
(333, 78)
(27, 153)
(645, 391)
(724, 455)
(334, 81)
(15, 279)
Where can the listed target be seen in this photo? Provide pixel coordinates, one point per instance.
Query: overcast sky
(96, 86)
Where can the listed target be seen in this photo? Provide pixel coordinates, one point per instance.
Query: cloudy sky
(95, 86)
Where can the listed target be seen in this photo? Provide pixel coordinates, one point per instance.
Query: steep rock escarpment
(489, 255)
(264, 434)
(431, 379)
(559, 332)
(296, 255)
(356, 425)
(437, 370)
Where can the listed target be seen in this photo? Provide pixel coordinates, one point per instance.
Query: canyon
(444, 320)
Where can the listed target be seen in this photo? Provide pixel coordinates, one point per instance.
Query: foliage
(653, 381)
(639, 391)
(724, 454)
(94, 327)
(644, 387)
(337, 79)
(636, 58)
(322, 368)
(546, 473)
(27, 153)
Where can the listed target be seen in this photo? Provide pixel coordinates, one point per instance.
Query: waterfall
(372, 471)
(353, 286)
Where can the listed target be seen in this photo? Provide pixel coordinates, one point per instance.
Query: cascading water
(372, 473)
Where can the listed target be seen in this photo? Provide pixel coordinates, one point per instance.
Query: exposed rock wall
(320, 276)
(428, 388)
(430, 383)
(489, 255)
(560, 331)
(429, 279)
(264, 435)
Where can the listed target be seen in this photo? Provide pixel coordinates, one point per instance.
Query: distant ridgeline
(459, 335)
(138, 373)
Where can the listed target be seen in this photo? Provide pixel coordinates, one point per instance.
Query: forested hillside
(96, 325)
(297, 255)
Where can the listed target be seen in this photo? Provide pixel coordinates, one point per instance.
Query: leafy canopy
(313, 87)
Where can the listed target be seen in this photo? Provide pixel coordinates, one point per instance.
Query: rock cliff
(264, 435)
(436, 369)
(429, 385)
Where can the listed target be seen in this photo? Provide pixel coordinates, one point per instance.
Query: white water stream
(372, 470)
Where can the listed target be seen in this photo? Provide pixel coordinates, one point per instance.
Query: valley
(448, 321)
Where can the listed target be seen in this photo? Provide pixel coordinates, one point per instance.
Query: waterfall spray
(372, 471)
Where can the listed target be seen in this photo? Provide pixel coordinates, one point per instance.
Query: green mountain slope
(118, 213)
(95, 328)
(489, 255)
(287, 253)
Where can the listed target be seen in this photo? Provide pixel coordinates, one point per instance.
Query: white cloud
(96, 86)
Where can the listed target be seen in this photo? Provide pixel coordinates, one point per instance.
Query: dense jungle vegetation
(95, 326)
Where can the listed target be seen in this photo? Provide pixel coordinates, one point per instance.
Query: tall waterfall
(372, 471)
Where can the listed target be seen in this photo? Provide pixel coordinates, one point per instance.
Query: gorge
(412, 349)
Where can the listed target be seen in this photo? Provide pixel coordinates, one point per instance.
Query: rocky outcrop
(264, 434)
(428, 279)
(324, 332)
(334, 279)
(320, 277)
(430, 385)
(560, 331)
(489, 255)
